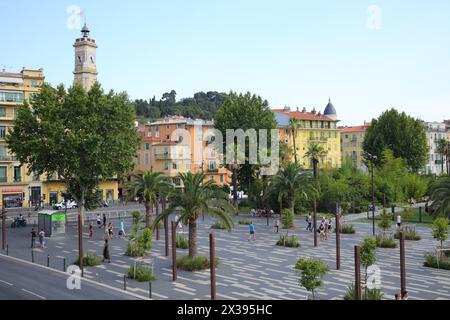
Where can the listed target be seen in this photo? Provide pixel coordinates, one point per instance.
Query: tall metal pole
(3, 227)
(212, 262)
(402, 264)
(315, 222)
(80, 244)
(166, 235)
(338, 240)
(157, 214)
(373, 204)
(174, 251)
(357, 273)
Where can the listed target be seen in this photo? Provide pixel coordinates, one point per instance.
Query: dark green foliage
(244, 222)
(410, 233)
(141, 273)
(218, 225)
(134, 249)
(431, 262)
(90, 259)
(194, 264)
(347, 229)
(182, 242)
(287, 219)
(404, 135)
(371, 294)
(288, 241)
(386, 242)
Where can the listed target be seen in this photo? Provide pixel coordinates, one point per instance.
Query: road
(20, 280)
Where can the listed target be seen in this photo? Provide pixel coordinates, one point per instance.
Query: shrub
(218, 225)
(195, 264)
(134, 249)
(384, 242)
(141, 273)
(182, 242)
(372, 294)
(288, 241)
(287, 219)
(145, 240)
(410, 234)
(431, 262)
(89, 260)
(244, 222)
(347, 229)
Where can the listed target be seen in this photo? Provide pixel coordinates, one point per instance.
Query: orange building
(174, 145)
(352, 139)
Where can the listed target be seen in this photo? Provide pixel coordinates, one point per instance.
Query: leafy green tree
(386, 222)
(198, 197)
(244, 111)
(404, 135)
(368, 257)
(285, 152)
(82, 137)
(440, 195)
(147, 186)
(440, 230)
(311, 272)
(414, 186)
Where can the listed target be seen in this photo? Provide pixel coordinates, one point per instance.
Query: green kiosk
(52, 221)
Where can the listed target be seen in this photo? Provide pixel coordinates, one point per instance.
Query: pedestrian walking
(330, 227)
(309, 223)
(91, 231)
(104, 220)
(33, 237)
(42, 238)
(110, 230)
(99, 220)
(122, 229)
(405, 295)
(325, 228)
(106, 255)
(252, 231)
(277, 225)
(399, 220)
(321, 231)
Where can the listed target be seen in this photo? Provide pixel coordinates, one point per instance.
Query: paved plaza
(247, 270)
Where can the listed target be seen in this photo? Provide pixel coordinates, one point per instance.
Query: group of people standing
(325, 228)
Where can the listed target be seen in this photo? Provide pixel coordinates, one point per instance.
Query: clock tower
(85, 60)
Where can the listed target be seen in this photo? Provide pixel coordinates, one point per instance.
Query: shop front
(13, 198)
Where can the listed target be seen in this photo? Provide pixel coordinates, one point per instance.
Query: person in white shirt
(399, 220)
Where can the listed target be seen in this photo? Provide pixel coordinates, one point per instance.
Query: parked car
(62, 205)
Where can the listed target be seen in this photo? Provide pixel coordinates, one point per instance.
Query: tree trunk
(80, 231)
(315, 168)
(295, 148)
(148, 213)
(157, 213)
(313, 296)
(192, 238)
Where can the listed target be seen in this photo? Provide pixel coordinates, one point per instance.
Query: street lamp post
(370, 158)
(3, 228)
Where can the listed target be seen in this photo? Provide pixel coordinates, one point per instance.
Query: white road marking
(34, 294)
(9, 284)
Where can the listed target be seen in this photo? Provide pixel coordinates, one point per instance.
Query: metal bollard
(7, 249)
(48, 261)
(150, 289)
(124, 282)
(32, 256)
(64, 264)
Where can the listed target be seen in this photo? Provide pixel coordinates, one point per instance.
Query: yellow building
(174, 145)
(314, 128)
(16, 187)
(352, 139)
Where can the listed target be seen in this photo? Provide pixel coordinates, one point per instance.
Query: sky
(367, 56)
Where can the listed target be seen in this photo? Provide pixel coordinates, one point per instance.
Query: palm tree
(315, 152)
(294, 125)
(289, 182)
(285, 152)
(198, 197)
(442, 148)
(440, 195)
(147, 186)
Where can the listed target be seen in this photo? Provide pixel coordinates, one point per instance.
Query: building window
(176, 181)
(2, 111)
(211, 178)
(147, 146)
(17, 174)
(180, 139)
(35, 177)
(188, 166)
(166, 166)
(174, 165)
(138, 160)
(34, 83)
(221, 178)
(6, 96)
(2, 132)
(3, 175)
(147, 158)
(167, 126)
